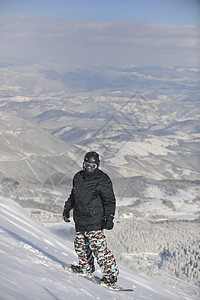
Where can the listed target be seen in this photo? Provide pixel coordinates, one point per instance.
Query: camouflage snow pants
(91, 243)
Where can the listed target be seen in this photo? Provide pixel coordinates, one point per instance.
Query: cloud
(75, 43)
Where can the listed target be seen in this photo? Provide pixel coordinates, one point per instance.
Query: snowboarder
(93, 202)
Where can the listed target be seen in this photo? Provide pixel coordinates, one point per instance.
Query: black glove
(66, 215)
(108, 222)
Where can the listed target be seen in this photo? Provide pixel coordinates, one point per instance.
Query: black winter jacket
(92, 198)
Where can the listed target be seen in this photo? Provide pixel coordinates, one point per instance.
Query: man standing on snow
(93, 201)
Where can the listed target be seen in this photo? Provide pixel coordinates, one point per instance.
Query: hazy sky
(84, 33)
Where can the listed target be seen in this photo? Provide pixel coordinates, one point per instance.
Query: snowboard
(96, 279)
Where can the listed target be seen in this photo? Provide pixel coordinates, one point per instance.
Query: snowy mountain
(32, 258)
(144, 122)
(32, 160)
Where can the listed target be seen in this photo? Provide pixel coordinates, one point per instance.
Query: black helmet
(92, 158)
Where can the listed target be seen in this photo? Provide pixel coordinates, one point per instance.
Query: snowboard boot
(108, 280)
(78, 270)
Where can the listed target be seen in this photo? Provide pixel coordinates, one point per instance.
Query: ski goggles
(91, 166)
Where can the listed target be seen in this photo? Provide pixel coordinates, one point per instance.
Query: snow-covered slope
(32, 160)
(31, 266)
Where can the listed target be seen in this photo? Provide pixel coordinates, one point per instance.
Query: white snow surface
(31, 266)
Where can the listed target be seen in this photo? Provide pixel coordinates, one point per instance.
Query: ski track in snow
(32, 259)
